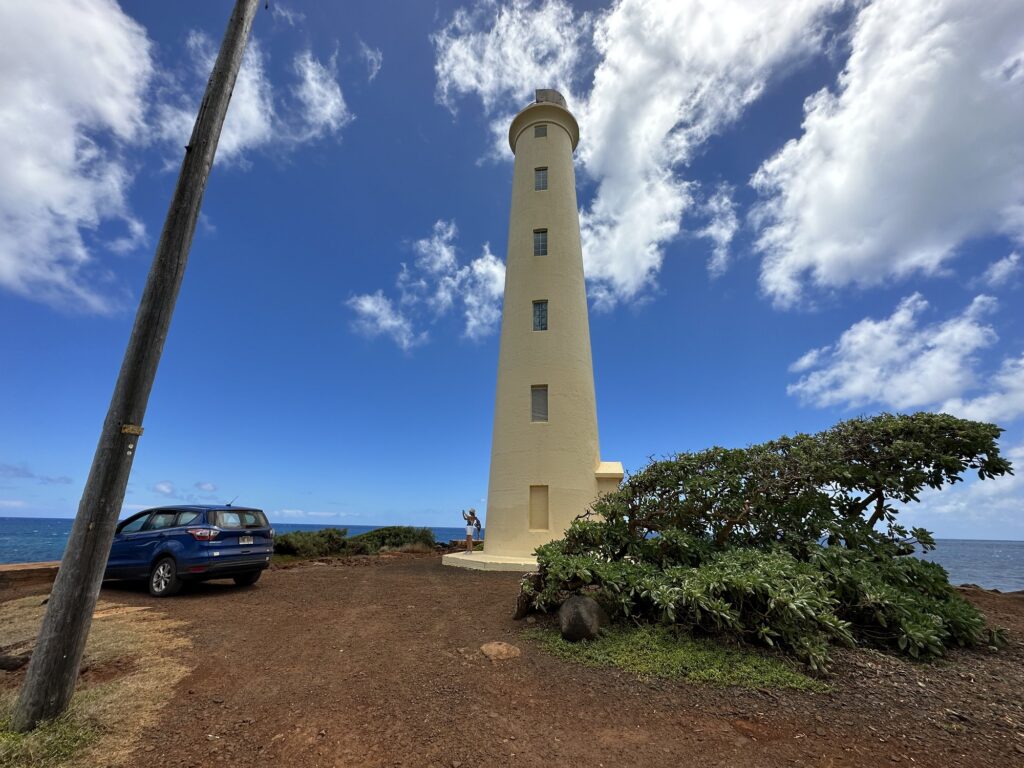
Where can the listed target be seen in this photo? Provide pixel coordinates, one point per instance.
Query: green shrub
(333, 542)
(765, 597)
(393, 537)
(326, 542)
(777, 543)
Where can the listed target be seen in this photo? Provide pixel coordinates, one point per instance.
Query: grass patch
(411, 547)
(51, 744)
(134, 657)
(656, 652)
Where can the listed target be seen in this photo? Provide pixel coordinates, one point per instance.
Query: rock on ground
(498, 651)
(581, 618)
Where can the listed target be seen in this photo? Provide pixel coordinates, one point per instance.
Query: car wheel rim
(161, 577)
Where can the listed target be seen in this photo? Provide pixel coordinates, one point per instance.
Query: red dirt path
(376, 662)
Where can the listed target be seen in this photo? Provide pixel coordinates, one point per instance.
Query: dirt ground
(376, 662)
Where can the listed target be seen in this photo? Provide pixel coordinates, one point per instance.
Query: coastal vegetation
(792, 544)
(651, 651)
(335, 542)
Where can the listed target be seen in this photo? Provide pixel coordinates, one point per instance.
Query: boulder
(581, 618)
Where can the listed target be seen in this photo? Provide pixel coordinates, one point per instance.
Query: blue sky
(793, 213)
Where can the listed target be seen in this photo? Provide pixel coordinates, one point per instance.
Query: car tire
(163, 579)
(248, 579)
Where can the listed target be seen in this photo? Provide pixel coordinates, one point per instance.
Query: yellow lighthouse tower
(545, 458)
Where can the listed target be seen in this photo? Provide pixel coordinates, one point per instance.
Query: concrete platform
(482, 561)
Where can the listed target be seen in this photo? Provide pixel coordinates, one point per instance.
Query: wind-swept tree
(886, 459)
(777, 543)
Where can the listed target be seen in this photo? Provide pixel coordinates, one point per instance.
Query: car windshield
(242, 518)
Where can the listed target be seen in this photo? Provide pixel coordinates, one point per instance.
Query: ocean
(989, 564)
(33, 540)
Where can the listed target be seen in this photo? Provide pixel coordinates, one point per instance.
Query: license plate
(243, 540)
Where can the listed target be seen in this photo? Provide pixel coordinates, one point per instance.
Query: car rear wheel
(248, 579)
(163, 579)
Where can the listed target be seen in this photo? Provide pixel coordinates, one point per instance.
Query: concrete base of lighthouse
(481, 561)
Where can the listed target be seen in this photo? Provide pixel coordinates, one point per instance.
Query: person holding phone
(471, 525)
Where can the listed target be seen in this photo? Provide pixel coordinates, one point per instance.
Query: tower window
(540, 315)
(540, 131)
(540, 242)
(539, 403)
(539, 508)
(540, 178)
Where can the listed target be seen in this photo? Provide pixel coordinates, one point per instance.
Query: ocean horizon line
(435, 525)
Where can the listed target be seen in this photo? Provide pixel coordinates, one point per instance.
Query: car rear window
(249, 518)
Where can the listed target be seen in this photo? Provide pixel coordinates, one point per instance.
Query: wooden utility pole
(51, 676)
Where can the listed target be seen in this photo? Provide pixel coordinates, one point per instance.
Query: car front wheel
(163, 579)
(248, 579)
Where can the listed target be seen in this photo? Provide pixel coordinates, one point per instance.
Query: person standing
(471, 524)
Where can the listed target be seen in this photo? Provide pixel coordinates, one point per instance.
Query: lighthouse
(546, 463)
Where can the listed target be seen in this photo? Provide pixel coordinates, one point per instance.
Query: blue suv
(171, 545)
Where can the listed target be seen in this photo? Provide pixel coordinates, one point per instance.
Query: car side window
(135, 525)
(160, 520)
(185, 518)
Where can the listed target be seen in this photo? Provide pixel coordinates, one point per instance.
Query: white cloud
(76, 106)
(918, 149)
(374, 60)
(432, 287)
(165, 488)
(376, 315)
(12, 504)
(1001, 272)
(324, 109)
(302, 514)
(436, 254)
(502, 53)
(206, 486)
(721, 228)
(666, 76)
(671, 75)
(287, 15)
(483, 282)
(253, 120)
(71, 98)
(809, 360)
(1005, 401)
(898, 362)
(22, 472)
(249, 122)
